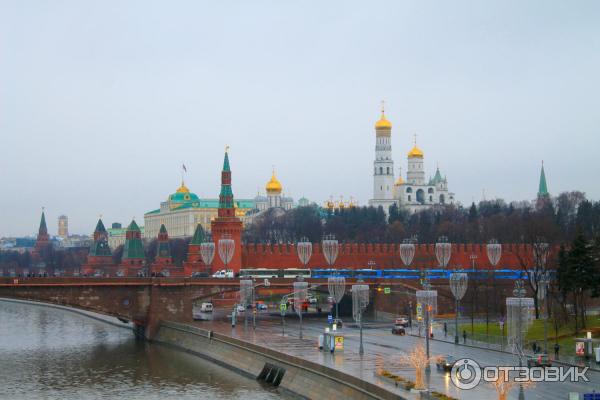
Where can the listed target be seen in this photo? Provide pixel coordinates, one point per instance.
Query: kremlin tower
(227, 225)
(163, 262)
(100, 257)
(133, 251)
(194, 262)
(42, 244)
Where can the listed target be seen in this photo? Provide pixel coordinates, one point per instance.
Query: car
(223, 274)
(398, 330)
(206, 307)
(402, 320)
(312, 300)
(200, 275)
(445, 362)
(338, 322)
(240, 308)
(261, 306)
(539, 360)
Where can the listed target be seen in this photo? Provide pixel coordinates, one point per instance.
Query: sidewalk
(438, 334)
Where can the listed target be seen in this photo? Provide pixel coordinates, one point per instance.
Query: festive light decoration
(330, 249)
(226, 249)
(419, 360)
(443, 251)
(207, 252)
(407, 251)
(304, 250)
(494, 252)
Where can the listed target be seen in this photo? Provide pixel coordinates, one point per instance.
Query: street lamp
(337, 289)
(543, 282)
(246, 290)
(304, 250)
(494, 253)
(407, 251)
(360, 300)
(300, 295)
(207, 252)
(519, 316)
(330, 249)
(458, 285)
(427, 299)
(443, 251)
(226, 249)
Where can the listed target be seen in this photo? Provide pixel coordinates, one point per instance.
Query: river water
(47, 353)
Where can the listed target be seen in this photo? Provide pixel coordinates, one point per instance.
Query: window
(408, 190)
(388, 170)
(409, 198)
(380, 170)
(430, 190)
(442, 199)
(430, 199)
(421, 196)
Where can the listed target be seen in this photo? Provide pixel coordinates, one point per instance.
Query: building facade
(63, 226)
(184, 210)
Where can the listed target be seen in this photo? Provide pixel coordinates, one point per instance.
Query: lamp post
(246, 289)
(304, 250)
(360, 300)
(443, 251)
(300, 295)
(427, 298)
(207, 252)
(226, 249)
(542, 294)
(518, 311)
(494, 252)
(336, 284)
(458, 285)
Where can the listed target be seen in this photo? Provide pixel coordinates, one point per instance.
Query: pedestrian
(556, 350)
(534, 347)
(445, 329)
(465, 336)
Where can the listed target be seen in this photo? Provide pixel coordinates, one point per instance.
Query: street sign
(419, 311)
(267, 283)
(387, 290)
(330, 319)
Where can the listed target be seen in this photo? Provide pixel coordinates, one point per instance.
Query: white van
(223, 274)
(206, 307)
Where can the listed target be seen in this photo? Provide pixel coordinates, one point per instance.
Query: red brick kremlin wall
(385, 256)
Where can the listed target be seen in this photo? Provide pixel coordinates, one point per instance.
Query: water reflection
(47, 353)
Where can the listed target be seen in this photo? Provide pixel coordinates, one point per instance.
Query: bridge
(145, 301)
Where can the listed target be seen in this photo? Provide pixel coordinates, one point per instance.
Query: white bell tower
(383, 166)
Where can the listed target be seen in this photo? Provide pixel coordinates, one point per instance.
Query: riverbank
(294, 374)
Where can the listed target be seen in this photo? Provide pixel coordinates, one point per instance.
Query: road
(382, 349)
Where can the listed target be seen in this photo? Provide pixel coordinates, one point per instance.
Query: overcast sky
(101, 102)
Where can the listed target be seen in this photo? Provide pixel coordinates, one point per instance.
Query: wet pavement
(384, 351)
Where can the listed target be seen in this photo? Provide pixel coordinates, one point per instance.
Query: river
(46, 353)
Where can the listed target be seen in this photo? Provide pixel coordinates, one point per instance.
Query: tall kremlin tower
(227, 225)
(383, 166)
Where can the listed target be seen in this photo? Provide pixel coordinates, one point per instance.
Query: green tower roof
(100, 226)
(198, 235)
(133, 226)
(162, 229)
(134, 248)
(438, 177)
(43, 227)
(226, 163)
(543, 188)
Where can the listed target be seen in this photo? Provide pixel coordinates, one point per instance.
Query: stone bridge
(143, 301)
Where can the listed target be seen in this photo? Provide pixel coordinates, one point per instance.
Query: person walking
(465, 336)
(556, 350)
(445, 329)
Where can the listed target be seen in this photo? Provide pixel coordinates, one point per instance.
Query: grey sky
(101, 102)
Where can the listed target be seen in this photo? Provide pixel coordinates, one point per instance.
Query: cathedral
(415, 192)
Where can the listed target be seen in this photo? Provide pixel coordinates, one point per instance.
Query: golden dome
(183, 188)
(274, 186)
(399, 181)
(383, 123)
(415, 152)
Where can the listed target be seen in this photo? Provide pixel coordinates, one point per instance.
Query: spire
(100, 246)
(133, 242)
(383, 123)
(198, 237)
(543, 188)
(43, 228)
(226, 195)
(226, 161)
(163, 249)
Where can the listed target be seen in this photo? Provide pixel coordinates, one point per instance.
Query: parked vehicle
(402, 320)
(398, 330)
(261, 307)
(539, 360)
(312, 300)
(200, 275)
(445, 362)
(206, 307)
(338, 322)
(224, 274)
